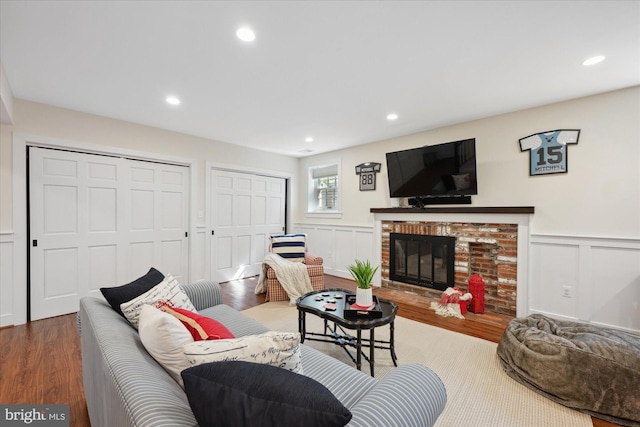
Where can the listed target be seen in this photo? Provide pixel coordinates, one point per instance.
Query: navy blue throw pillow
(253, 394)
(119, 294)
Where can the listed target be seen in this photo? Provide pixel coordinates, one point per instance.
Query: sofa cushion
(280, 349)
(289, 246)
(168, 292)
(119, 294)
(250, 394)
(239, 324)
(347, 384)
(200, 327)
(163, 337)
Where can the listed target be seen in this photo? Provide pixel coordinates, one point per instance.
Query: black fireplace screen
(422, 260)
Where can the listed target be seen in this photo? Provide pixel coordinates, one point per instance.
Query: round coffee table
(358, 321)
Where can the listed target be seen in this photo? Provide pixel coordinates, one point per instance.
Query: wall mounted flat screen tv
(447, 169)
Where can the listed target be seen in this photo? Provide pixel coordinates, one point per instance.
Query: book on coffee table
(352, 310)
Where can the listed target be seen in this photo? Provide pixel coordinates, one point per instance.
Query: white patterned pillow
(281, 349)
(290, 246)
(163, 336)
(168, 291)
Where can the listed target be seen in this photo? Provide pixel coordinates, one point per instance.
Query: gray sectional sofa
(125, 386)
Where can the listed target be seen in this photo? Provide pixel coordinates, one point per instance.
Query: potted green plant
(363, 273)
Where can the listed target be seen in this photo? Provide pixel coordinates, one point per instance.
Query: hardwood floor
(40, 362)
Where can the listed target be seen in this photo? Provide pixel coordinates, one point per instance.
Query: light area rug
(479, 393)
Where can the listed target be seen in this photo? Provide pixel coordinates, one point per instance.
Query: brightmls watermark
(34, 415)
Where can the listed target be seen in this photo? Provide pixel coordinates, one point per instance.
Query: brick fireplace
(492, 242)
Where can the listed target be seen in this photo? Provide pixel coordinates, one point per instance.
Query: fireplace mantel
(458, 209)
(518, 215)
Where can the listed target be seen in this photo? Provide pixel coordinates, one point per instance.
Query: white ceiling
(327, 69)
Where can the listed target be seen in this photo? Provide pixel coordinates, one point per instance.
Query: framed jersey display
(548, 150)
(367, 172)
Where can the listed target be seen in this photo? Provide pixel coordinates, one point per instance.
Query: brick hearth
(485, 248)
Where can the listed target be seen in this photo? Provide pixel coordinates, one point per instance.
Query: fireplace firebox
(422, 260)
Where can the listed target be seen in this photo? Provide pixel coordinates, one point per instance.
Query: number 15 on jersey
(548, 150)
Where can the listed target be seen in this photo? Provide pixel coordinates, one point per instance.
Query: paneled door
(158, 218)
(245, 210)
(99, 221)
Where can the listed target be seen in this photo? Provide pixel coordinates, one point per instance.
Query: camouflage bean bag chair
(585, 367)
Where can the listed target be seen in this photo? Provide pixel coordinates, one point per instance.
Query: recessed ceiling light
(172, 100)
(246, 34)
(392, 116)
(308, 139)
(594, 60)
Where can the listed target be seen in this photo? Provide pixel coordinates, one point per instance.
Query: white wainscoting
(198, 254)
(338, 245)
(7, 290)
(601, 276)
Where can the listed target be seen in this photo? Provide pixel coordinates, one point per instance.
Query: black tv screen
(447, 169)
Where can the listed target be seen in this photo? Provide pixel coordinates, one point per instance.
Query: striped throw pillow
(289, 246)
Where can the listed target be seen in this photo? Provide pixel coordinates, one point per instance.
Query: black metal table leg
(371, 350)
(391, 345)
(359, 350)
(302, 324)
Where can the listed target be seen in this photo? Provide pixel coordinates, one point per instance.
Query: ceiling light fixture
(246, 34)
(594, 60)
(308, 139)
(172, 100)
(392, 116)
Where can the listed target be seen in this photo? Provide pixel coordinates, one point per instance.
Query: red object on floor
(476, 289)
(463, 307)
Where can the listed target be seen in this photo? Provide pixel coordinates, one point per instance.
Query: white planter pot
(364, 297)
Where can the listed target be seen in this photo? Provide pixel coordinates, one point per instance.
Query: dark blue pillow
(253, 394)
(119, 294)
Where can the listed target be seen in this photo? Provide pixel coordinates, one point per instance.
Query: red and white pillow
(200, 327)
(164, 334)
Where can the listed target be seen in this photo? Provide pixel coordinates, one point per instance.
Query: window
(324, 189)
(327, 190)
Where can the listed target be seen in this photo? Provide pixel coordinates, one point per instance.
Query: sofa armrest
(412, 395)
(312, 259)
(204, 294)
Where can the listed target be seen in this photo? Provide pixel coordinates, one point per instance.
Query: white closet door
(245, 209)
(157, 220)
(75, 244)
(82, 207)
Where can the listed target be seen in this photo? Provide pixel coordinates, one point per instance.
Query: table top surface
(307, 303)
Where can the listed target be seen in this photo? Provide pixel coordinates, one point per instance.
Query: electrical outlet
(566, 292)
